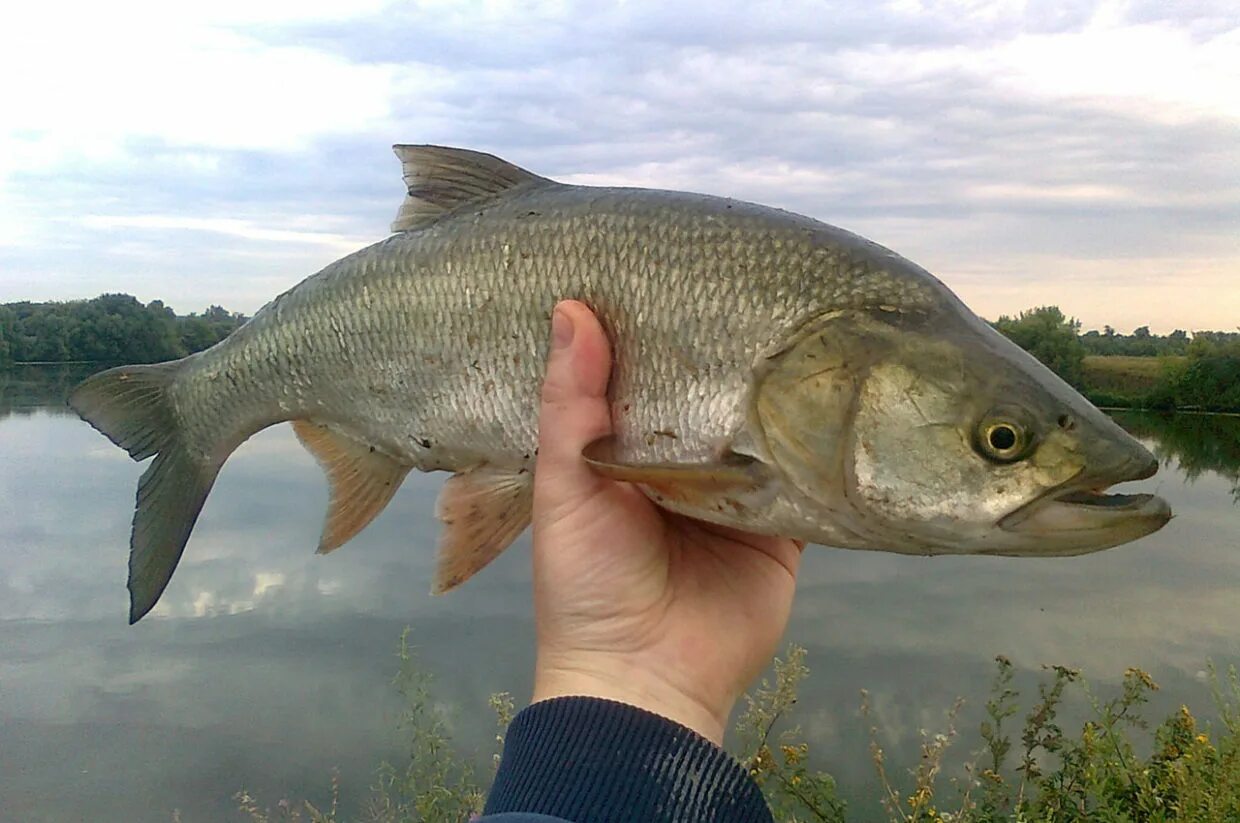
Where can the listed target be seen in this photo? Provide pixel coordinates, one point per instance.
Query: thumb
(574, 410)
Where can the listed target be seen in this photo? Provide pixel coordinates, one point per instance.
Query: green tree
(1047, 334)
(1177, 341)
(111, 328)
(8, 334)
(197, 334)
(47, 337)
(1141, 343)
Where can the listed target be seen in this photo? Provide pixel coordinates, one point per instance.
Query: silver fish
(772, 373)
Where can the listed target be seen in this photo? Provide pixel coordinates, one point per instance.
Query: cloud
(1032, 153)
(188, 76)
(232, 228)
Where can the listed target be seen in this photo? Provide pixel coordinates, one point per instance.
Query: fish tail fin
(132, 407)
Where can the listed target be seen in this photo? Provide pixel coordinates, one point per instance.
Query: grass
(1140, 368)
(1116, 767)
(1126, 377)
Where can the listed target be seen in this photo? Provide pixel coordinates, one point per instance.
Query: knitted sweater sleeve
(588, 760)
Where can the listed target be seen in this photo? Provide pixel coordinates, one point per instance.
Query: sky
(1084, 153)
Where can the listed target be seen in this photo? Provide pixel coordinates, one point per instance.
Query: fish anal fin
(701, 486)
(362, 479)
(439, 179)
(482, 511)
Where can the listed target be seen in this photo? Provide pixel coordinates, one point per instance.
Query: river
(265, 666)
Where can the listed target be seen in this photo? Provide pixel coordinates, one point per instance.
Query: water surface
(264, 666)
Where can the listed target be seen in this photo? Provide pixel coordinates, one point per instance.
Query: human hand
(634, 603)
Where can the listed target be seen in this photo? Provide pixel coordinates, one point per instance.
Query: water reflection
(27, 389)
(265, 665)
(1197, 443)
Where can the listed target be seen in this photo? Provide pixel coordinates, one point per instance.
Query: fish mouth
(1097, 499)
(1081, 516)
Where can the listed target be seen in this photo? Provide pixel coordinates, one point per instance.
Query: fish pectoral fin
(482, 511)
(693, 484)
(362, 479)
(439, 179)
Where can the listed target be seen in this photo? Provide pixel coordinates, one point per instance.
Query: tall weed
(1113, 769)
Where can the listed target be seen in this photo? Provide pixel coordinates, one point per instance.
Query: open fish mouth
(1096, 499)
(1082, 516)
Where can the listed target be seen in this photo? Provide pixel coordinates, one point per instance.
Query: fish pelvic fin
(132, 407)
(439, 179)
(482, 511)
(362, 478)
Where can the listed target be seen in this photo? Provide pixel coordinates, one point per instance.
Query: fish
(771, 373)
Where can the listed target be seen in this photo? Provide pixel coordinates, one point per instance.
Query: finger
(574, 410)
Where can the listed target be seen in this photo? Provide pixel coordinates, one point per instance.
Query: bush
(1210, 380)
(1107, 400)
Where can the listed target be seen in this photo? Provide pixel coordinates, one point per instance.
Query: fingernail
(561, 329)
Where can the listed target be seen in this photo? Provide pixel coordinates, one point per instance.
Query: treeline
(1141, 343)
(112, 328)
(1139, 370)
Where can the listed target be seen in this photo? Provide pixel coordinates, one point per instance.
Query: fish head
(936, 434)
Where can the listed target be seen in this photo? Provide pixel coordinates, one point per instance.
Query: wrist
(613, 678)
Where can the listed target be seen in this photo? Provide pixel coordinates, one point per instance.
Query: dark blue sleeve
(587, 760)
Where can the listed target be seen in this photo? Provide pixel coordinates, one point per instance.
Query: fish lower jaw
(1083, 520)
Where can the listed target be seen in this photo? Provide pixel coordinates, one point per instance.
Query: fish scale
(447, 285)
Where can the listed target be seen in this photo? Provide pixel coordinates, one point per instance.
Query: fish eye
(1002, 439)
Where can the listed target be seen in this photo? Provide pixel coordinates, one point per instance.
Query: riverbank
(1123, 382)
(1209, 383)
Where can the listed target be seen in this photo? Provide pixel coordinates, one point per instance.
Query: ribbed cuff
(591, 760)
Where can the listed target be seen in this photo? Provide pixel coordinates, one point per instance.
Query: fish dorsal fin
(362, 479)
(482, 512)
(438, 179)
